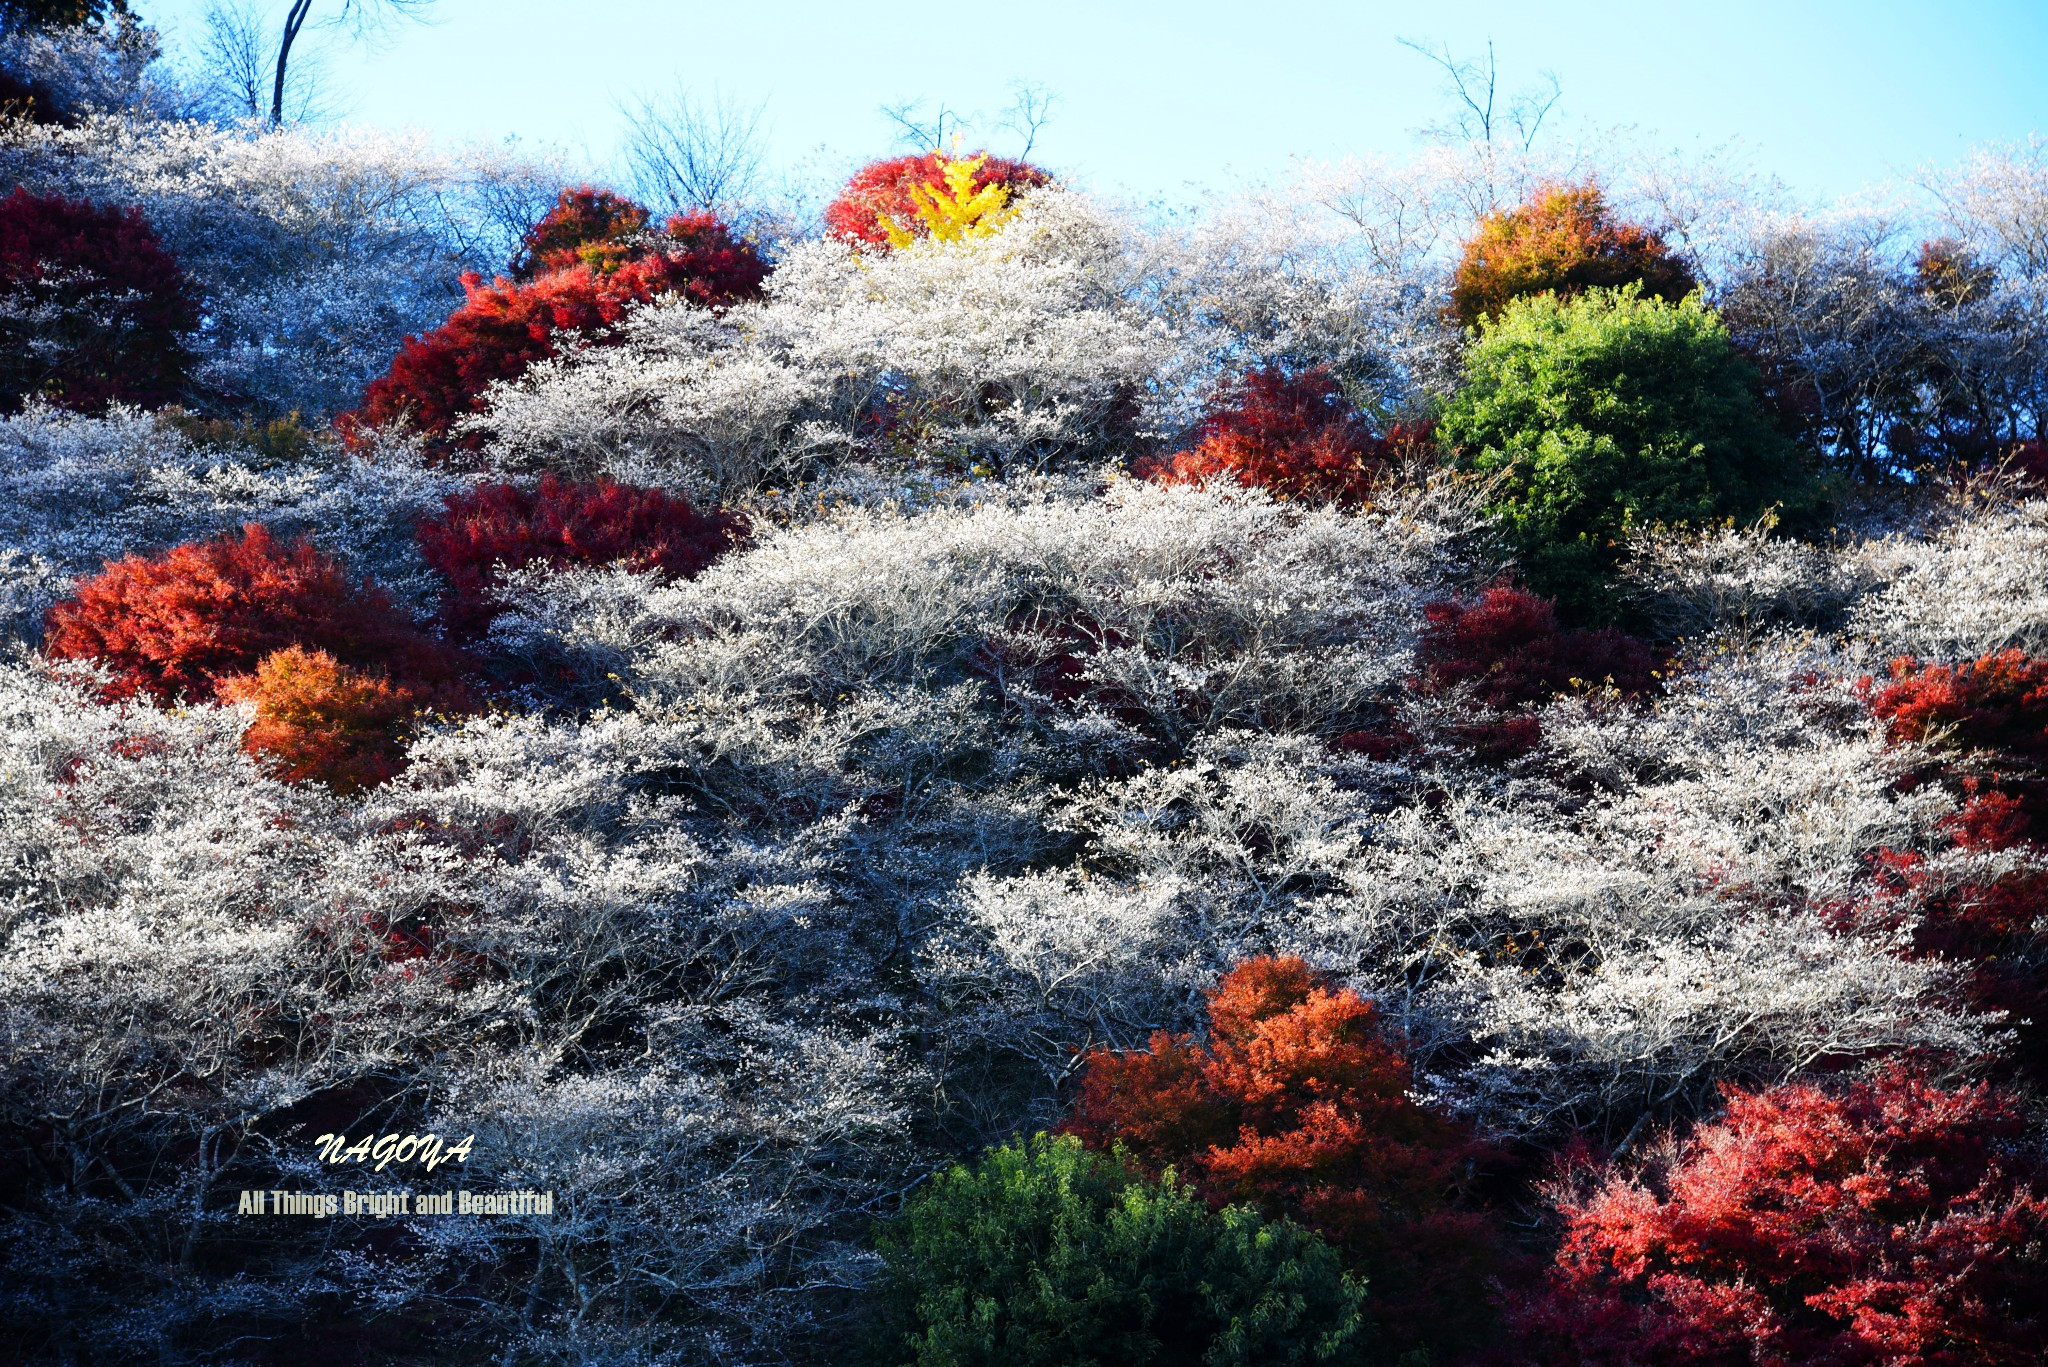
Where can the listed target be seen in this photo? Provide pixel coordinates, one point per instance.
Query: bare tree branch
(1476, 87)
(1029, 112)
(365, 20)
(915, 131)
(689, 154)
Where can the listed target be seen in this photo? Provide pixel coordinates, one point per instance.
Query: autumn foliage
(1888, 1223)
(1294, 436)
(177, 624)
(586, 227)
(1565, 240)
(319, 720)
(504, 327)
(1298, 1104)
(560, 524)
(888, 192)
(1993, 709)
(93, 310)
(1507, 645)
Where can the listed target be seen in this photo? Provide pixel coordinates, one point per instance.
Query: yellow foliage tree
(956, 210)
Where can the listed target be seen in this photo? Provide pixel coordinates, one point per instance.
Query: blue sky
(1153, 98)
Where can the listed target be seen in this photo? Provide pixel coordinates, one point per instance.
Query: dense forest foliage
(1444, 763)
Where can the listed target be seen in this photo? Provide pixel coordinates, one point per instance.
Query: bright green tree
(1045, 1254)
(1608, 413)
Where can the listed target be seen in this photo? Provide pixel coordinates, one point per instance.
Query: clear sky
(1157, 95)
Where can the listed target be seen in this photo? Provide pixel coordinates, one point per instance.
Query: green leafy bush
(1044, 1254)
(1611, 412)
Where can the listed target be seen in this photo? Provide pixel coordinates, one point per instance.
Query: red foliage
(706, 262)
(1566, 240)
(181, 621)
(883, 188)
(1507, 644)
(504, 327)
(1297, 1104)
(565, 524)
(586, 227)
(1995, 707)
(318, 720)
(96, 311)
(1296, 437)
(1887, 1224)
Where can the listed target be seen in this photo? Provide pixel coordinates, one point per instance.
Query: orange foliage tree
(1565, 240)
(1892, 1223)
(1298, 1104)
(318, 720)
(177, 623)
(885, 192)
(1295, 436)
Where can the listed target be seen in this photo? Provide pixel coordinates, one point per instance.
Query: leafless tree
(915, 130)
(1027, 114)
(235, 68)
(1477, 88)
(686, 153)
(363, 19)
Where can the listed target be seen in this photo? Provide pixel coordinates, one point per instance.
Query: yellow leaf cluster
(954, 211)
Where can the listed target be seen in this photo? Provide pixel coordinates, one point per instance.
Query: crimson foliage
(1298, 1104)
(1295, 436)
(502, 328)
(586, 227)
(565, 524)
(1995, 709)
(1507, 645)
(93, 310)
(2029, 461)
(177, 623)
(1885, 1224)
(882, 189)
(1565, 240)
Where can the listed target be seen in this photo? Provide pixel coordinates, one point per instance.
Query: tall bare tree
(363, 19)
(686, 153)
(1476, 86)
(1026, 115)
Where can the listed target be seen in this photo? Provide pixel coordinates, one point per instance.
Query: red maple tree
(563, 523)
(1890, 1223)
(1295, 436)
(1992, 713)
(1508, 646)
(318, 720)
(175, 624)
(881, 189)
(503, 328)
(1298, 1103)
(1567, 240)
(95, 310)
(586, 227)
